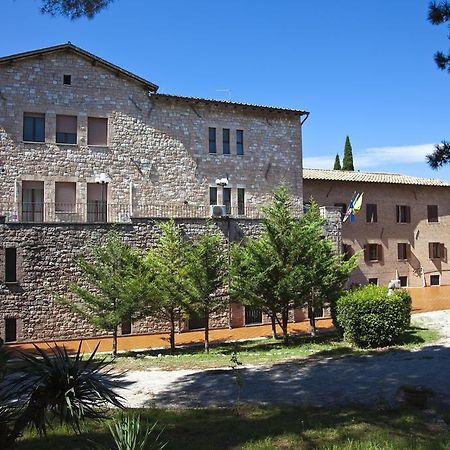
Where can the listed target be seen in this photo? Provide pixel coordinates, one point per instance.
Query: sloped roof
(228, 102)
(370, 177)
(70, 47)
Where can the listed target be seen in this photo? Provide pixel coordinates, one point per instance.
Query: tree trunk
(312, 320)
(274, 326)
(285, 316)
(172, 334)
(207, 331)
(114, 342)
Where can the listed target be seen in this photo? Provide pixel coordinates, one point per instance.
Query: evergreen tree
(74, 9)
(337, 163)
(290, 265)
(117, 286)
(347, 161)
(439, 13)
(207, 268)
(169, 259)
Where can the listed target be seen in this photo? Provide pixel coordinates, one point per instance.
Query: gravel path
(316, 382)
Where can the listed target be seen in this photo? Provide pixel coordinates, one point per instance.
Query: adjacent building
(402, 229)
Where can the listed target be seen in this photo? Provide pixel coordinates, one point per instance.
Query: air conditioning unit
(218, 210)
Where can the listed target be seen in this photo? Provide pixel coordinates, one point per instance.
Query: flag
(349, 212)
(357, 203)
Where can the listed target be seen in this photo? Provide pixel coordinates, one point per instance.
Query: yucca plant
(53, 383)
(129, 433)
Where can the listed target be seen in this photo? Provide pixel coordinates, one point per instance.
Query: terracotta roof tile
(370, 177)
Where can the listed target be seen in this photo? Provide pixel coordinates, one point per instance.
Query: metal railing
(102, 212)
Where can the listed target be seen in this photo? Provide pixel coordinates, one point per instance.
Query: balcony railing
(102, 212)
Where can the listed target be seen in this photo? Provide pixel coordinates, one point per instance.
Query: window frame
(434, 277)
(90, 137)
(66, 134)
(405, 278)
(241, 201)
(226, 141)
(430, 215)
(371, 213)
(371, 281)
(240, 142)
(403, 213)
(404, 252)
(213, 195)
(34, 118)
(212, 140)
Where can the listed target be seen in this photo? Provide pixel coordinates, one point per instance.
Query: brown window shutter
(398, 213)
(430, 250)
(408, 251)
(408, 214)
(442, 251)
(366, 252)
(380, 252)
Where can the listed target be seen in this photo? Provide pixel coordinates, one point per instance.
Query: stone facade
(418, 265)
(156, 156)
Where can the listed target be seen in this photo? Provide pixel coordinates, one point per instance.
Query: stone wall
(46, 265)
(157, 146)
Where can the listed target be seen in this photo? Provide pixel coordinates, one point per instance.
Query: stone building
(401, 229)
(85, 143)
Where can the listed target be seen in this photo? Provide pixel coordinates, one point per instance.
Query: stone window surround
(50, 187)
(234, 194)
(219, 141)
(50, 126)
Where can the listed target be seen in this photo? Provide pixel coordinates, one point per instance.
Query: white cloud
(376, 157)
(379, 156)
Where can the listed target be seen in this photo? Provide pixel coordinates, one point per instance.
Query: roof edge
(69, 46)
(229, 102)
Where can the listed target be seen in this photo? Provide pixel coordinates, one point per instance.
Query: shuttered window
(66, 129)
(97, 131)
(436, 250)
(403, 214)
(373, 252)
(402, 251)
(432, 211)
(371, 213)
(212, 140)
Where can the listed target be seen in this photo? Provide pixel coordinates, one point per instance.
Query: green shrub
(372, 318)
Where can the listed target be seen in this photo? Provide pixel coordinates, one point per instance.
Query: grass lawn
(269, 427)
(262, 351)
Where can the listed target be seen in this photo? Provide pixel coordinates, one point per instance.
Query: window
(347, 251)
(436, 250)
(196, 321)
(371, 213)
(434, 280)
(97, 202)
(212, 140)
(97, 131)
(10, 265)
(34, 127)
(241, 201)
(65, 197)
(403, 281)
(253, 315)
(432, 213)
(66, 129)
(226, 141)
(126, 326)
(213, 196)
(342, 207)
(227, 199)
(32, 201)
(10, 330)
(319, 313)
(373, 252)
(239, 142)
(402, 250)
(373, 281)
(67, 79)
(403, 214)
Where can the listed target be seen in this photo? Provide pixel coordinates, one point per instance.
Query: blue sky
(362, 68)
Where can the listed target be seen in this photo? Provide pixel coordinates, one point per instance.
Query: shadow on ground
(372, 379)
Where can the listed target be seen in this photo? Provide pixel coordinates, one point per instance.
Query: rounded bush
(372, 318)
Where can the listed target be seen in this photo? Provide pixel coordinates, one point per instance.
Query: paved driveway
(316, 381)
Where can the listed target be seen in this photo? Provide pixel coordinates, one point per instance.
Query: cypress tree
(337, 163)
(347, 161)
